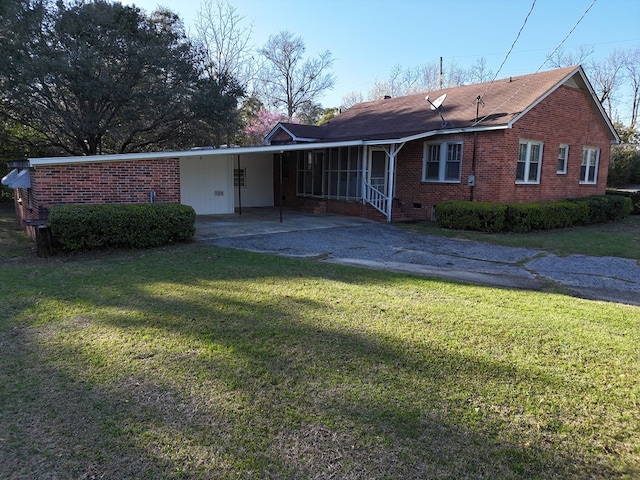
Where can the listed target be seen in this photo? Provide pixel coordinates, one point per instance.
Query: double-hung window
(563, 156)
(442, 162)
(529, 162)
(589, 166)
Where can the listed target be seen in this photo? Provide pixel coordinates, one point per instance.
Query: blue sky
(368, 37)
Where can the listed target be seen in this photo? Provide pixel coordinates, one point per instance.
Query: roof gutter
(434, 133)
(123, 157)
(36, 162)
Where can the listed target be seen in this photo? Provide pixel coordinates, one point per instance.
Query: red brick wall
(564, 117)
(104, 182)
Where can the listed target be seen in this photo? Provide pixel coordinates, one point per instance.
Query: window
(442, 162)
(589, 167)
(529, 162)
(239, 177)
(563, 156)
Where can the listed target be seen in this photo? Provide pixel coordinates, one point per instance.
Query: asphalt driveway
(360, 242)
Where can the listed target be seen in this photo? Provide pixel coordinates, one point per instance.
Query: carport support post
(280, 169)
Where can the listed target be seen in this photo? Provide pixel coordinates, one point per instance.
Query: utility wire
(511, 49)
(539, 68)
(568, 34)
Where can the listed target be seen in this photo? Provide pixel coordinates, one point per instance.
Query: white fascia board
(433, 133)
(124, 157)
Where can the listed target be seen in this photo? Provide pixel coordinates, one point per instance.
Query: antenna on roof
(435, 105)
(478, 101)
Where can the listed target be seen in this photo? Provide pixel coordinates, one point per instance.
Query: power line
(568, 34)
(539, 68)
(514, 42)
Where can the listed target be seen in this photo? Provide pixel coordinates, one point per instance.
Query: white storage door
(206, 184)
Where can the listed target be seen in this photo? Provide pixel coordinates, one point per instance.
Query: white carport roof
(35, 162)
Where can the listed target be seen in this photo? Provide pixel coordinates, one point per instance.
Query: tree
(310, 113)
(479, 72)
(288, 78)
(216, 118)
(632, 74)
(260, 124)
(99, 77)
(560, 58)
(606, 78)
(225, 42)
(423, 78)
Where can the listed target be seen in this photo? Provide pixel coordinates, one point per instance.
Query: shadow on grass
(226, 383)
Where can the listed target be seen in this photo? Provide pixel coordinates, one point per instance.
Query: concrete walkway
(361, 242)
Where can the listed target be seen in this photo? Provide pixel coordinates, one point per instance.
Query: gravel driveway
(387, 247)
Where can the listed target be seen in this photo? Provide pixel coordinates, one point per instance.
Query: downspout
(472, 177)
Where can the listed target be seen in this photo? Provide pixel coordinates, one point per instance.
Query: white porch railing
(376, 198)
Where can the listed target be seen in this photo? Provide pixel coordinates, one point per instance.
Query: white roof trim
(128, 157)
(124, 157)
(273, 131)
(433, 133)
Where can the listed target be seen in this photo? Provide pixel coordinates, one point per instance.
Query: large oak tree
(99, 77)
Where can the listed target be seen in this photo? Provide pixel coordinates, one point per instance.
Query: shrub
(634, 197)
(91, 227)
(479, 216)
(524, 217)
(624, 166)
(606, 208)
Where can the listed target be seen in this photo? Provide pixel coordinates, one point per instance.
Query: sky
(369, 37)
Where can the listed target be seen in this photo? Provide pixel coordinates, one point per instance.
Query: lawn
(200, 362)
(619, 239)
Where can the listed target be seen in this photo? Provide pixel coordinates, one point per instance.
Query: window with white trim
(563, 157)
(589, 166)
(529, 161)
(442, 162)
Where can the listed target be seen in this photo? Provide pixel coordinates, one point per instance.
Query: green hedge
(634, 196)
(479, 216)
(525, 217)
(95, 227)
(606, 208)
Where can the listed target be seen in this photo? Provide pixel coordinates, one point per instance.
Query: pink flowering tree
(260, 125)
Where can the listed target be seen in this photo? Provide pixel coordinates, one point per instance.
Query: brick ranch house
(537, 137)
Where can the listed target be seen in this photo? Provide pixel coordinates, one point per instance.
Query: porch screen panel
(355, 179)
(342, 173)
(331, 173)
(304, 173)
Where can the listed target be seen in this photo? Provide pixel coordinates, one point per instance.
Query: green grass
(618, 239)
(13, 241)
(201, 362)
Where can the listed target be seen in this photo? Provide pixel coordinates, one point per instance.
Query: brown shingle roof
(503, 100)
